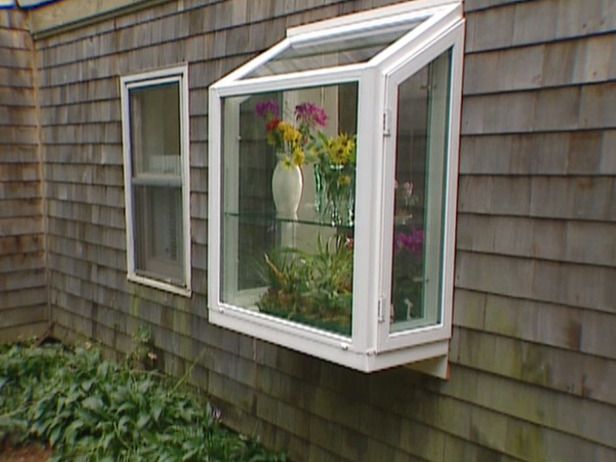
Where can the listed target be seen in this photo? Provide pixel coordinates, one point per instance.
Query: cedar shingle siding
(23, 297)
(533, 351)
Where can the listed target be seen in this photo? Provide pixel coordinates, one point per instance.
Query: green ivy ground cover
(89, 409)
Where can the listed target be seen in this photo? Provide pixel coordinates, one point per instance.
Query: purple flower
(268, 109)
(412, 241)
(310, 114)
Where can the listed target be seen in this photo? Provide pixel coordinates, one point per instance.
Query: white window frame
(371, 346)
(396, 74)
(143, 80)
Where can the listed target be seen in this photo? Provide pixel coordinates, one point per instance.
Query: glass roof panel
(339, 49)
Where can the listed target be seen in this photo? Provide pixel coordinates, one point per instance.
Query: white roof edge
(375, 13)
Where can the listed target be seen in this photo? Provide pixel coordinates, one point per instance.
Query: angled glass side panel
(337, 49)
(290, 261)
(419, 204)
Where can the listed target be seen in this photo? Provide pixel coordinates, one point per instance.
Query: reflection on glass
(158, 226)
(155, 129)
(337, 50)
(421, 146)
(290, 260)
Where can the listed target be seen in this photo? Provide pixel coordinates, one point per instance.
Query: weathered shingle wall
(536, 262)
(23, 311)
(533, 352)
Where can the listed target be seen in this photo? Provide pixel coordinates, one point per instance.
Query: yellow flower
(341, 149)
(298, 156)
(290, 134)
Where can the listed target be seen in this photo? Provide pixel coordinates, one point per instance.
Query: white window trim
(176, 74)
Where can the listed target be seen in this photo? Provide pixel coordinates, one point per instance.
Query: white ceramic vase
(287, 185)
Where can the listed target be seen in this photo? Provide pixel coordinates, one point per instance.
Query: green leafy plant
(315, 289)
(89, 409)
(143, 355)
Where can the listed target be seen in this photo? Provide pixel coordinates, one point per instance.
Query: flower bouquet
(334, 172)
(333, 157)
(291, 143)
(408, 265)
(407, 294)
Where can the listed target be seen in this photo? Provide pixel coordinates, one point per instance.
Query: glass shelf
(272, 219)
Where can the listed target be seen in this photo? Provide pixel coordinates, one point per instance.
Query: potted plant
(314, 289)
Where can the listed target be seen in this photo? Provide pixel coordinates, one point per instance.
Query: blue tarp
(24, 4)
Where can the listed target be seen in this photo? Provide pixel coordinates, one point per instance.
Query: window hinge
(386, 117)
(381, 309)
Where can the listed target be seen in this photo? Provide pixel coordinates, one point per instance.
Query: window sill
(160, 285)
(427, 356)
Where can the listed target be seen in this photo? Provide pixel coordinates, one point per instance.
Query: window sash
(158, 232)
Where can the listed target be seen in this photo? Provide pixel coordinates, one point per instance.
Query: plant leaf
(93, 403)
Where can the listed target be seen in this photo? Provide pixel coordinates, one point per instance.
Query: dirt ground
(30, 453)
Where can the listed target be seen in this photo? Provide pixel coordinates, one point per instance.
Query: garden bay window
(155, 118)
(333, 177)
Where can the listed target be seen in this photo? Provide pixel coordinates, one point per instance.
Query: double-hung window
(155, 136)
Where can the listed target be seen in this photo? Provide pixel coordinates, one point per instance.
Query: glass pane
(421, 154)
(292, 259)
(337, 50)
(155, 129)
(158, 232)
